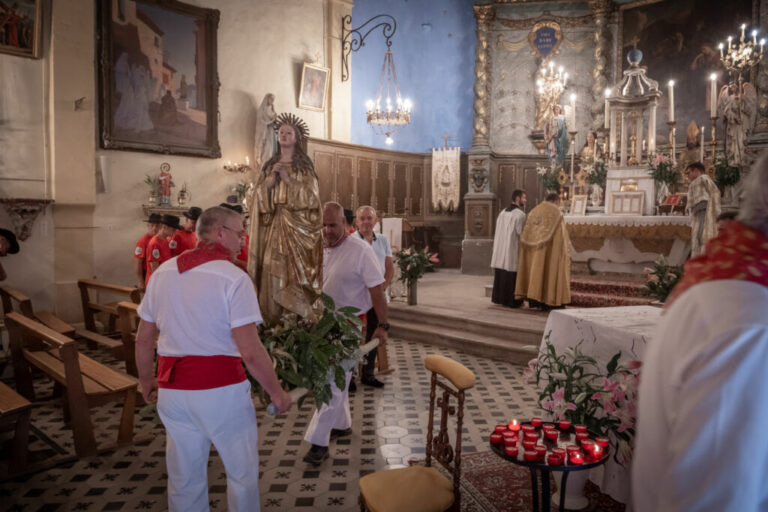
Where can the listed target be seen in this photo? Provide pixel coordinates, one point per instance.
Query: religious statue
(166, 182)
(738, 109)
(286, 245)
(589, 154)
(693, 151)
(264, 145)
(556, 136)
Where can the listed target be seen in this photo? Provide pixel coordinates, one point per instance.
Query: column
(484, 16)
(652, 131)
(338, 115)
(600, 10)
(612, 136)
(639, 139)
(623, 141)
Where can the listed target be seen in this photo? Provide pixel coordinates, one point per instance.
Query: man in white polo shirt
(203, 311)
(365, 220)
(351, 277)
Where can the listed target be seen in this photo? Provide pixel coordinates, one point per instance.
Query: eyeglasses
(238, 233)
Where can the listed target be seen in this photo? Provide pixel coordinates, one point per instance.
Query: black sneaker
(336, 433)
(316, 455)
(372, 381)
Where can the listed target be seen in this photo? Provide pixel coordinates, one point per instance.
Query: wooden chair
(423, 488)
(14, 300)
(86, 382)
(14, 415)
(127, 322)
(90, 307)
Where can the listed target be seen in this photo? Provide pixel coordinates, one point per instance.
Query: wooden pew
(12, 297)
(86, 382)
(14, 415)
(90, 307)
(127, 323)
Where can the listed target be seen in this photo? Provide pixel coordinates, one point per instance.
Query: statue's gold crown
(296, 122)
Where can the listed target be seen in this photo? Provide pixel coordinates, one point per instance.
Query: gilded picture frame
(535, 39)
(158, 80)
(20, 22)
(314, 87)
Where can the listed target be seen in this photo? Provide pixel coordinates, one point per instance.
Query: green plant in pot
(413, 264)
(726, 175)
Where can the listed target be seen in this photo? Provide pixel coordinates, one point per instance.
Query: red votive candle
(528, 445)
(551, 434)
(579, 429)
(508, 434)
(496, 438)
(500, 429)
(587, 445)
(576, 458)
(554, 460)
(512, 441)
(548, 426)
(602, 442)
(571, 448)
(564, 425)
(514, 425)
(530, 436)
(597, 452)
(529, 428)
(536, 422)
(541, 450)
(560, 452)
(580, 436)
(511, 451)
(530, 455)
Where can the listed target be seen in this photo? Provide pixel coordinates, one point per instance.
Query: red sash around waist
(198, 372)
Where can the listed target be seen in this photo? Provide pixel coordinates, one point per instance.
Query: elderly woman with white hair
(703, 409)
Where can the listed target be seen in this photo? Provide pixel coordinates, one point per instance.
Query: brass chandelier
(395, 113)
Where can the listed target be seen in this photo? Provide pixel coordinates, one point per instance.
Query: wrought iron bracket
(353, 39)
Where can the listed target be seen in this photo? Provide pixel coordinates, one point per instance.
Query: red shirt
(182, 241)
(243, 256)
(141, 247)
(158, 250)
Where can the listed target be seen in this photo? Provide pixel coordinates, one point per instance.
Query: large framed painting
(20, 27)
(679, 41)
(158, 79)
(314, 87)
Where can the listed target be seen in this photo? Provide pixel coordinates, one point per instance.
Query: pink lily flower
(434, 258)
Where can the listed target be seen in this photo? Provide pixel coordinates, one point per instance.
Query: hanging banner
(445, 179)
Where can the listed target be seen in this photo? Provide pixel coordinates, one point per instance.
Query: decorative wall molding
(23, 213)
(564, 21)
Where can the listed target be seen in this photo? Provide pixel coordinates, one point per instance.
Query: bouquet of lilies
(662, 170)
(549, 177)
(414, 263)
(573, 386)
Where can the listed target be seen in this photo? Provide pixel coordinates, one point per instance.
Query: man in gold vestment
(704, 202)
(544, 266)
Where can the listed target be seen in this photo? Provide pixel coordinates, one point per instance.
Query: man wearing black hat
(140, 253)
(8, 245)
(185, 239)
(242, 258)
(159, 249)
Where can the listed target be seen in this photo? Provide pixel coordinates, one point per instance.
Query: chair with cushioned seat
(422, 488)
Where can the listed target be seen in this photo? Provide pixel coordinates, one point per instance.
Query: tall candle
(721, 49)
(573, 112)
(701, 146)
(730, 38)
(607, 109)
(754, 37)
(713, 95)
(743, 26)
(671, 89)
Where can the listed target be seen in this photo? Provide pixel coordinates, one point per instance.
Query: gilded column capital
(600, 8)
(484, 15)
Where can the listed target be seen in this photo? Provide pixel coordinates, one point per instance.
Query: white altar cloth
(601, 333)
(629, 220)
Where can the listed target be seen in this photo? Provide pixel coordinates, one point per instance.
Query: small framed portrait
(314, 87)
(626, 203)
(579, 205)
(20, 28)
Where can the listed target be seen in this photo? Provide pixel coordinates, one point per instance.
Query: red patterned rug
(490, 484)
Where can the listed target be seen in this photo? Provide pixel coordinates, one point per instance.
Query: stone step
(510, 348)
(600, 300)
(608, 287)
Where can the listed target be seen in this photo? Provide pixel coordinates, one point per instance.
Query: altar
(624, 243)
(601, 333)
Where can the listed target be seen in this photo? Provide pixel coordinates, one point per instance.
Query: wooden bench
(14, 300)
(127, 323)
(86, 382)
(14, 415)
(90, 307)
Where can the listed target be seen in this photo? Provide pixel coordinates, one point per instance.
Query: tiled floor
(389, 429)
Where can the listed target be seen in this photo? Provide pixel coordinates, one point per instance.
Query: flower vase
(662, 191)
(574, 489)
(596, 195)
(412, 292)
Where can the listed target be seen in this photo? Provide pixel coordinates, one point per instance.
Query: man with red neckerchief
(140, 253)
(703, 406)
(204, 313)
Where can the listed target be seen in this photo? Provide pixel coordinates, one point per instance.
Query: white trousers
(333, 415)
(193, 420)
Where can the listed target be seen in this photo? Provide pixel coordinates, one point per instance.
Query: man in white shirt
(509, 225)
(204, 313)
(351, 277)
(703, 411)
(366, 220)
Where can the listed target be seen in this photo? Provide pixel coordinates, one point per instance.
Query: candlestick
(671, 89)
(573, 158)
(607, 109)
(714, 140)
(672, 150)
(713, 94)
(701, 146)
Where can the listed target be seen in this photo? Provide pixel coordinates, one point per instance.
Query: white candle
(713, 95)
(643, 145)
(701, 148)
(762, 42)
(754, 37)
(671, 89)
(730, 38)
(721, 49)
(607, 108)
(573, 112)
(743, 26)
(247, 162)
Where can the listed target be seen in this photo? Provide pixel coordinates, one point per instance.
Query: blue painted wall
(434, 54)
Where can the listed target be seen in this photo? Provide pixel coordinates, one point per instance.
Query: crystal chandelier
(388, 119)
(551, 83)
(741, 56)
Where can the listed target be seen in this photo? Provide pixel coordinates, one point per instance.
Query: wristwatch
(384, 325)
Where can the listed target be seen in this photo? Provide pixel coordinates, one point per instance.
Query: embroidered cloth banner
(445, 178)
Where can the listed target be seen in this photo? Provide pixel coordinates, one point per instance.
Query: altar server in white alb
(704, 203)
(203, 311)
(509, 225)
(701, 433)
(351, 277)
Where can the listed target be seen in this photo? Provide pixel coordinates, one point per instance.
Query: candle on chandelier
(536, 422)
(720, 46)
(743, 27)
(730, 38)
(607, 109)
(754, 37)
(713, 95)
(514, 425)
(671, 89)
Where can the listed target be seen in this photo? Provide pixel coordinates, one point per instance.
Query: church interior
(551, 176)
